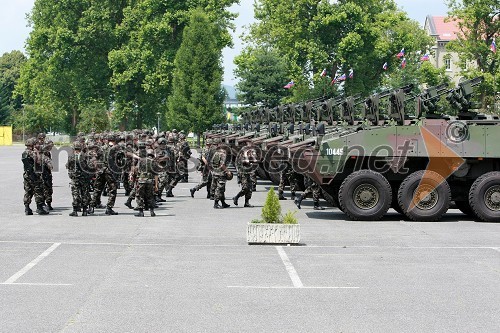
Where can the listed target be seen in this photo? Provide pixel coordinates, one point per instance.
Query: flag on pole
(425, 57)
(323, 73)
(493, 46)
(401, 53)
(289, 85)
(384, 66)
(351, 73)
(341, 77)
(403, 63)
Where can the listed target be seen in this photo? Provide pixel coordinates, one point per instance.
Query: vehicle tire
(465, 208)
(365, 195)
(434, 196)
(484, 197)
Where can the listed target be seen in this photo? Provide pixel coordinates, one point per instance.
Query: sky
(14, 29)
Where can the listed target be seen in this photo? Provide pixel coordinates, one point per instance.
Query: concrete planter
(271, 233)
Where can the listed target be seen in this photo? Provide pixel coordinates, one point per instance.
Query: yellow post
(5, 135)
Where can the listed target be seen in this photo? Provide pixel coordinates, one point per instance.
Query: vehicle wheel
(365, 195)
(484, 197)
(465, 208)
(424, 199)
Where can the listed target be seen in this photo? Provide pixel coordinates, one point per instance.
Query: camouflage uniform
(218, 165)
(311, 188)
(246, 162)
(206, 176)
(105, 176)
(147, 180)
(48, 189)
(79, 173)
(33, 182)
(287, 174)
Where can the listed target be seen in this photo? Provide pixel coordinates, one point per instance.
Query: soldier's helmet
(80, 134)
(77, 145)
(30, 142)
(216, 141)
(48, 145)
(174, 130)
(182, 136)
(41, 136)
(162, 141)
(209, 141)
(170, 139)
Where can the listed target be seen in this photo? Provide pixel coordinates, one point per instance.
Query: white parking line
(289, 268)
(32, 264)
(281, 287)
(35, 284)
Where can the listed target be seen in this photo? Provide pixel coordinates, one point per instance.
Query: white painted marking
(496, 249)
(32, 264)
(35, 284)
(278, 287)
(289, 268)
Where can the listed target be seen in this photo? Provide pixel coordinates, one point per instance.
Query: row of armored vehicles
(367, 162)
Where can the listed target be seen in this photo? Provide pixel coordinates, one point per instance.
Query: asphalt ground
(190, 270)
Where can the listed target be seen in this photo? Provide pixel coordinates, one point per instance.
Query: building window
(447, 63)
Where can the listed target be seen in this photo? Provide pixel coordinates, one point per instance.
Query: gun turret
(460, 97)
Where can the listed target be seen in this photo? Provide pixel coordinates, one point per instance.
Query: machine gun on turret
(460, 97)
(397, 101)
(426, 102)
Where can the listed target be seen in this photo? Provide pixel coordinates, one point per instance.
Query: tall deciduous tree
(196, 100)
(479, 23)
(68, 56)
(359, 34)
(150, 36)
(262, 73)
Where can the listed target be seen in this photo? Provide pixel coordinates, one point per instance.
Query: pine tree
(196, 100)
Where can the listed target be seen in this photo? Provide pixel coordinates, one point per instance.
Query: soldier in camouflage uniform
(184, 155)
(33, 163)
(206, 175)
(147, 181)
(287, 174)
(164, 158)
(105, 161)
(219, 174)
(311, 188)
(48, 189)
(172, 170)
(79, 173)
(246, 162)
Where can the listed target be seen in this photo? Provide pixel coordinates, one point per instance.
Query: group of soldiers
(147, 165)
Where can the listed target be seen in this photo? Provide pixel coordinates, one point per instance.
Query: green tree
(196, 100)
(68, 56)
(479, 23)
(359, 34)
(262, 72)
(271, 212)
(94, 117)
(143, 64)
(10, 67)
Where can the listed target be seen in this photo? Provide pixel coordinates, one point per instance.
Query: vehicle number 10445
(334, 151)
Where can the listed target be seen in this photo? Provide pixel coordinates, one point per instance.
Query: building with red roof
(443, 31)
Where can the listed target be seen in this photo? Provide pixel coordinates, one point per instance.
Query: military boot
(235, 199)
(152, 212)
(192, 191)
(293, 196)
(84, 211)
(158, 198)
(91, 210)
(49, 205)
(247, 204)
(128, 203)
(170, 194)
(216, 204)
(224, 204)
(208, 195)
(110, 211)
(280, 195)
(317, 206)
(298, 200)
(27, 210)
(140, 213)
(40, 210)
(74, 212)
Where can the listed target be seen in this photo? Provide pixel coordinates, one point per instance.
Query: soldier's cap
(77, 145)
(30, 142)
